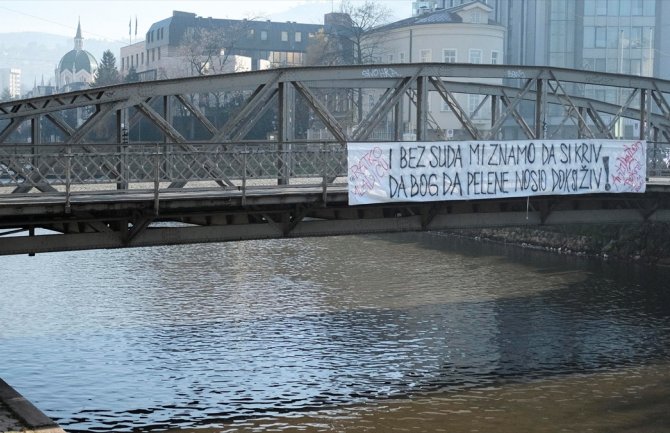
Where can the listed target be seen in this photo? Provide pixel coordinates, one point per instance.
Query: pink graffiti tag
(628, 167)
(369, 171)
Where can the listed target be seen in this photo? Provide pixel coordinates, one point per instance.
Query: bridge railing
(658, 159)
(72, 168)
(53, 167)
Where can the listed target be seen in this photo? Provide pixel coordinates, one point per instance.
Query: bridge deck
(134, 218)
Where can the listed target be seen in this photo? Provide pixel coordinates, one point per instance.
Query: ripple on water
(193, 336)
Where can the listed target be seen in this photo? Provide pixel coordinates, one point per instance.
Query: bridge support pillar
(494, 117)
(35, 130)
(643, 114)
(398, 122)
(421, 108)
(540, 125)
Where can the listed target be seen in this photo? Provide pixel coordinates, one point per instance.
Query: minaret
(78, 40)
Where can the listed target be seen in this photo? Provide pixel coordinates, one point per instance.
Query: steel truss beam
(383, 106)
(218, 217)
(396, 83)
(459, 112)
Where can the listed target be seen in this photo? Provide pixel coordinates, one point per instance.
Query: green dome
(79, 60)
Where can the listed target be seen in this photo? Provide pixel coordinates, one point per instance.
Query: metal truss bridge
(264, 154)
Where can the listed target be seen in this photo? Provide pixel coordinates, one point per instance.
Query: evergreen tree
(133, 76)
(5, 96)
(107, 73)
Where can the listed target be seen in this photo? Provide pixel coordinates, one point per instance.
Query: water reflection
(179, 337)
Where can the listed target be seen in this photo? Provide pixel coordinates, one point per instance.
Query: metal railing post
(245, 152)
(156, 177)
(324, 181)
(655, 159)
(68, 177)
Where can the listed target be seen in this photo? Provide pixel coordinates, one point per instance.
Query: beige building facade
(462, 34)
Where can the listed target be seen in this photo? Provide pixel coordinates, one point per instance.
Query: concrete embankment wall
(19, 415)
(647, 242)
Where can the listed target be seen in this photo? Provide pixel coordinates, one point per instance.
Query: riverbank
(646, 243)
(18, 415)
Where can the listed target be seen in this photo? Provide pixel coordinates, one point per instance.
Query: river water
(381, 333)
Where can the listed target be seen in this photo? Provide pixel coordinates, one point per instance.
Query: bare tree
(204, 51)
(364, 19)
(365, 43)
(208, 51)
(324, 50)
(348, 38)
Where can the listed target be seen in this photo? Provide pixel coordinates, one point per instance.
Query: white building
(462, 34)
(10, 79)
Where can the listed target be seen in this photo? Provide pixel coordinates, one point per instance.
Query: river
(381, 333)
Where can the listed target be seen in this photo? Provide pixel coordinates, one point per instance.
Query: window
(475, 56)
(601, 7)
(142, 58)
(159, 53)
(601, 37)
(636, 7)
(495, 57)
(298, 37)
(264, 35)
(589, 37)
(589, 7)
(426, 56)
(613, 7)
(647, 36)
(390, 58)
(476, 17)
(449, 55)
(401, 57)
(649, 9)
(284, 36)
(636, 37)
(613, 37)
(559, 10)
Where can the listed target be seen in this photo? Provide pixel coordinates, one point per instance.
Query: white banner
(471, 170)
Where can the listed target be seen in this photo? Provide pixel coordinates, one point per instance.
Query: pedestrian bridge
(264, 154)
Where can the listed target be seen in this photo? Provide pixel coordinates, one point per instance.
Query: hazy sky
(109, 19)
